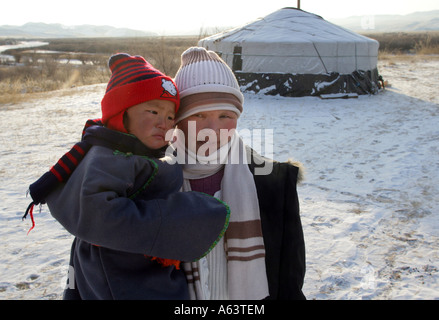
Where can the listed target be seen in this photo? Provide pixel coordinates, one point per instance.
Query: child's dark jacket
(124, 208)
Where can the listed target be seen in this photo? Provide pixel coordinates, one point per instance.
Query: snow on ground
(369, 202)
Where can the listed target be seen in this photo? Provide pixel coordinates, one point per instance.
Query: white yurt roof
(294, 41)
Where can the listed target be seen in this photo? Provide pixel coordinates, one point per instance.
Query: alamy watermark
(368, 22)
(368, 277)
(69, 281)
(208, 146)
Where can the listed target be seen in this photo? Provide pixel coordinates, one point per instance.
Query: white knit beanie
(205, 79)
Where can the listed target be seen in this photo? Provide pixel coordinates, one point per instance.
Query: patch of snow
(369, 204)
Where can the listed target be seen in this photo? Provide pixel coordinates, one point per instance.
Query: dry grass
(38, 71)
(162, 52)
(42, 72)
(16, 83)
(392, 58)
(407, 42)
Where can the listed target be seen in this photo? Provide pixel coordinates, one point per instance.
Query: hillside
(56, 30)
(418, 21)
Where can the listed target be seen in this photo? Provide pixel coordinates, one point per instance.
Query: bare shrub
(41, 71)
(407, 42)
(427, 45)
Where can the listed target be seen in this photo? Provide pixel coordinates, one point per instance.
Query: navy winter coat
(124, 209)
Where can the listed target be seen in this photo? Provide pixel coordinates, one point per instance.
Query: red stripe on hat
(129, 75)
(117, 64)
(133, 81)
(132, 75)
(128, 62)
(116, 101)
(117, 76)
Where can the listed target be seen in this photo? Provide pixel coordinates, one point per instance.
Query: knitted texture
(58, 173)
(133, 81)
(209, 185)
(203, 72)
(93, 134)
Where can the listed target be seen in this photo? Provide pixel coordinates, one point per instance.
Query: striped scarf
(58, 173)
(94, 133)
(243, 244)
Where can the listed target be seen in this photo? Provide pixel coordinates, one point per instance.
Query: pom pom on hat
(204, 78)
(133, 81)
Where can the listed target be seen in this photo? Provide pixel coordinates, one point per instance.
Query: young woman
(262, 255)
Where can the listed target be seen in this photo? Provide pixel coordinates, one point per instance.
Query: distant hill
(418, 21)
(55, 30)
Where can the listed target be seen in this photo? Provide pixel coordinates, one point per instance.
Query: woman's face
(216, 121)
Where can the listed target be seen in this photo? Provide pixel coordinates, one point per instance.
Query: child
(121, 202)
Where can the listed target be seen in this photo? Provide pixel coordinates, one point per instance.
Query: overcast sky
(168, 16)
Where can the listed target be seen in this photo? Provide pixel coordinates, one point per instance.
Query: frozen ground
(369, 203)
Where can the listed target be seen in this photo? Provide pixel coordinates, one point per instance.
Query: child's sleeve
(95, 206)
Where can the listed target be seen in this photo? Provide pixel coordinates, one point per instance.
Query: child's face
(149, 121)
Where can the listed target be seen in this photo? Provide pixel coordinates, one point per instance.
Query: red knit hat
(133, 81)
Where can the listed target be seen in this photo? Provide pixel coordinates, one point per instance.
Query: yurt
(295, 53)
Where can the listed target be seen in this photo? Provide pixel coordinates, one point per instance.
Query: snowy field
(370, 201)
